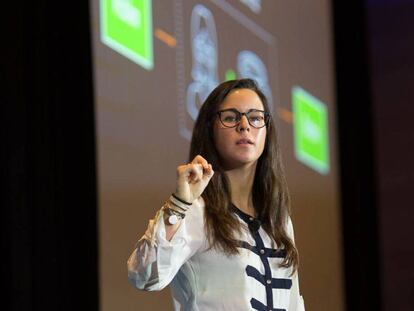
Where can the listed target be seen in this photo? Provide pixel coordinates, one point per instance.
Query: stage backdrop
(154, 64)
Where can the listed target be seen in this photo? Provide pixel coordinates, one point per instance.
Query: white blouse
(207, 279)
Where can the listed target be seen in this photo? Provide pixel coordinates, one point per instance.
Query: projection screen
(154, 64)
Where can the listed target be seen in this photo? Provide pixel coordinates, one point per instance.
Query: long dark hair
(269, 192)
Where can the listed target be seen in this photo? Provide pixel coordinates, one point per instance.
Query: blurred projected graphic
(251, 66)
(126, 27)
(213, 59)
(310, 130)
(204, 54)
(254, 5)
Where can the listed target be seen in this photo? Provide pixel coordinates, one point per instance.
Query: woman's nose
(244, 124)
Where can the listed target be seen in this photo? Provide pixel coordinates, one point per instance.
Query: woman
(224, 239)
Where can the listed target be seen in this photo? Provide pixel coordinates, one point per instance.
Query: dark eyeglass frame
(241, 114)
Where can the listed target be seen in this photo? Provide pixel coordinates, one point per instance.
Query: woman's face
(241, 145)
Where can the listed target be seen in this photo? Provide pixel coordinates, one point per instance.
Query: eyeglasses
(231, 117)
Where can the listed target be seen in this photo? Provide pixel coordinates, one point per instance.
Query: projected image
(311, 130)
(213, 60)
(155, 62)
(126, 26)
(204, 68)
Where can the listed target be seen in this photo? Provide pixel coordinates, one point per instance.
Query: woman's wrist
(177, 200)
(172, 216)
(175, 209)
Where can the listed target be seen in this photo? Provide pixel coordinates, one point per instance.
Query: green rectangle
(310, 130)
(126, 27)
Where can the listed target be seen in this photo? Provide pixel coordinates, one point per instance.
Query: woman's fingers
(198, 159)
(190, 171)
(192, 178)
(209, 171)
(195, 171)
(207, 168)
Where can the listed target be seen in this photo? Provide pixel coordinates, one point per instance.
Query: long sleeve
(155, 260)
(296, 300)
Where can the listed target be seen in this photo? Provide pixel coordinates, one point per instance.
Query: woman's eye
(256, 118)
(229, 118)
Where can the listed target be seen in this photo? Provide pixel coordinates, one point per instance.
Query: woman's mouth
(244, 141)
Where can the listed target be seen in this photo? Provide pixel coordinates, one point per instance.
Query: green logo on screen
(126, 27)
(310, 130)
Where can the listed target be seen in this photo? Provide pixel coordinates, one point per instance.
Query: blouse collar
(252, 222)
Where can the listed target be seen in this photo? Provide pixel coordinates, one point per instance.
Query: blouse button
(269, 281)
(262, 251)
(251, 218)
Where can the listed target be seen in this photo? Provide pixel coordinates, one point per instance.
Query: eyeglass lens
(231, 118)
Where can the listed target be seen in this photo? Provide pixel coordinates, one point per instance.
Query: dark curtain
(49, 215)
(374, 53)
(357, 158)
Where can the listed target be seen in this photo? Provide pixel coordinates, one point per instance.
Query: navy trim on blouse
(269, 252)
(257, 305)
(264, 253)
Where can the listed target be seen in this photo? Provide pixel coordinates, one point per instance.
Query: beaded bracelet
(181, 200)
(179, 203)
